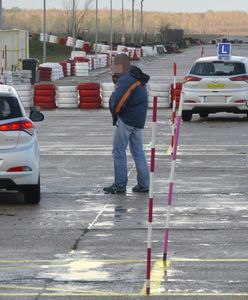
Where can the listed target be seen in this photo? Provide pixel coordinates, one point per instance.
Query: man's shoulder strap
(126, 95)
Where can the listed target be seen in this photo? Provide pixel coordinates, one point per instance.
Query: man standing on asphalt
(128, 105)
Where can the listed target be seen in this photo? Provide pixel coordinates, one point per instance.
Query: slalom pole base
(165, 261)
(148, 291)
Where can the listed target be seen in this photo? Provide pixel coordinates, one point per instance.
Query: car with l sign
(216, 85)
(19, 150)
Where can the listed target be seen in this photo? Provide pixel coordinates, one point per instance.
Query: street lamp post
(96, 36)
(111, 26)
(1, 15)
(141, 22)
(122, 23)
(73, 24)
(132, 37)
(44, 32)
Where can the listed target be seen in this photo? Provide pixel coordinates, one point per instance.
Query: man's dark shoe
(114, 189)
(140, 189)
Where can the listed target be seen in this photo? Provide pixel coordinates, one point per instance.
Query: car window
(219, 68)
(9, 108)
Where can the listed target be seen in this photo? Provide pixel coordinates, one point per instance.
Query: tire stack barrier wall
(106, 91)
(79, 44)
(134, 54)
(45, 73)
(70, 41)
(53, 39)
(105, 48)
(67, 96)
(77, 53)
(44, 95)
(62, 41)
(57, 70)
(175, 93)
(89, 95)
(92, 62)
(68, 69)
(102, 60)
(98, 47)
(147, 51)
(162, 92)
(86, 47)
(25, 93)
(82, 69)
(64, 68)
(72, 67)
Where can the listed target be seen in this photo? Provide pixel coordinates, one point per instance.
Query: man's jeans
(125, 134)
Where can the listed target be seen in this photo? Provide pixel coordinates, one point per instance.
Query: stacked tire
(175, 93)
(72, 67)
(89, 95)
(82, 69)
(106, 91)
(25, 93)
(67, 97)
(44, 95)
(45, 73)
(162, 92)
(64, 68)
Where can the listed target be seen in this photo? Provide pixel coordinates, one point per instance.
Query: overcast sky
(149, 5)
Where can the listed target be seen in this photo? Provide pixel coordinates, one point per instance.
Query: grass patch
(54, 52)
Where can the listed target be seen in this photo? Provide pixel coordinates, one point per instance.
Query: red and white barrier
(89, 95)
(44, 95)
(67, 96)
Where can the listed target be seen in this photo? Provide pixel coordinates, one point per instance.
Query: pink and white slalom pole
(150, 208)
(172, 175)
(173, 117)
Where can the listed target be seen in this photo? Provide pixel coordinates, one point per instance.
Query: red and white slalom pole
(173, 117)
(150, 208)
(172, 175)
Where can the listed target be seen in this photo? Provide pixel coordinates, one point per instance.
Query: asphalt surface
(80, 243)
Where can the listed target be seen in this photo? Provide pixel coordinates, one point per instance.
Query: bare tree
(80, 15)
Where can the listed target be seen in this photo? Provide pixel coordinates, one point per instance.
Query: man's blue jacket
(130, 100)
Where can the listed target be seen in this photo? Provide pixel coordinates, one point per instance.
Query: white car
(216, 85)
(19, 150)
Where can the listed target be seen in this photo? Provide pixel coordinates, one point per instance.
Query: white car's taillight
(20, 169)
(191, 78)
(23, 125)
(240, 78)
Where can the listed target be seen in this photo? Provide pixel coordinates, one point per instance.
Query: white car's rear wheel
(186, 115)
(32, 193)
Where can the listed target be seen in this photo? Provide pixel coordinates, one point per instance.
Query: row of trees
(60, 21)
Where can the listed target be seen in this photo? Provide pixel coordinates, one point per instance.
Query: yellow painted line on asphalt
(157, 276)
(109, 295)
(205, 260)
(66, 261)
(169, 150)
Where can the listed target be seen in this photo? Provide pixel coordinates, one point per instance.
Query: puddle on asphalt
(80, 270)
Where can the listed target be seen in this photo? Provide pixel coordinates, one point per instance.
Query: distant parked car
(214, 85)
(19, 150)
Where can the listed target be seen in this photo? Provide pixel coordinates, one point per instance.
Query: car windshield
(220, 68)
(9, 108)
